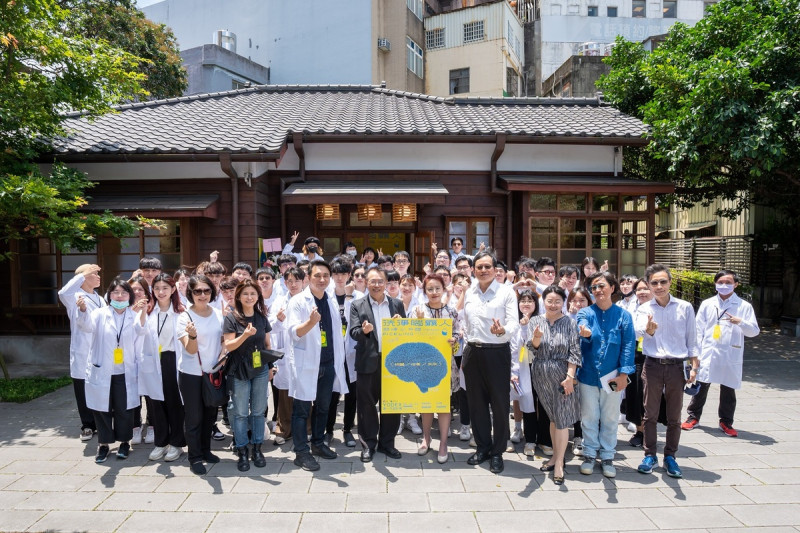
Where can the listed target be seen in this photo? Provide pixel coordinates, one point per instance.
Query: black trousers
(198, 419)
(116, 424)
(137, 413)
(540, 424)
(634, 394)
(349, 406)
(167, 415)
(87, 418)
(461, 398)
(371, 429)
(487, 372)
(275, 401)
(727, 403)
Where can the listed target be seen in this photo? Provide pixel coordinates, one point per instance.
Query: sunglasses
(358, 275)
(598, 287)
(198, 292)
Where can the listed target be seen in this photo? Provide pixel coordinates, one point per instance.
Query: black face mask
(626, 294)
(312, 249)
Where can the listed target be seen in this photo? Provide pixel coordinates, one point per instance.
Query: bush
(21, 390)
(695, 286)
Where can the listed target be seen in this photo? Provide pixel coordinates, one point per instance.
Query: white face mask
(724, 289)
(351, 253)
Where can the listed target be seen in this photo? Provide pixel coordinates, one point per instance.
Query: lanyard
(161, 324)
(96, 303)
(119, 326)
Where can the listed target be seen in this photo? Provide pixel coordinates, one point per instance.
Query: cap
(692, 389)
(313, 240)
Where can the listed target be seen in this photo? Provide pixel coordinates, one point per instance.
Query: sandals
(547, 468)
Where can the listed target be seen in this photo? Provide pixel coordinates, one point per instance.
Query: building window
(592, 11)
(415, 6)
(512, 82)
(670, 9)
(414, 57)
(473, 231)
(473, 31)
(513, 41)
(236, 84)
(638, 9)
(459, 81)
(611, 12)
(434, 38)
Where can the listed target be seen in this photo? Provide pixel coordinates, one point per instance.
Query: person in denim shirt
(608, 344)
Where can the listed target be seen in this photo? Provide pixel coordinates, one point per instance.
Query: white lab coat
(279, 340)
(304, 363)
(522, 370)
(80, 340)
(150, 375)
(100, 365)
(349, 342)
(721, 359)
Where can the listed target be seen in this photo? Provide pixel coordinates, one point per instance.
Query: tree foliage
(723, 100)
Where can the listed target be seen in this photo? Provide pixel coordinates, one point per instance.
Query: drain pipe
(227, 168)
(297, 143)
(499, 148)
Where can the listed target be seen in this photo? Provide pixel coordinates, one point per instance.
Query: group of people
(565, 345)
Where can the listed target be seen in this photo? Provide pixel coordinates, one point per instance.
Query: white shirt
(480, 308)
(380, 311)
(675, 336)
(209, 339)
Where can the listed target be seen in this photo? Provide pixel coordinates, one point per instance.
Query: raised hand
(538, 333)
(281, 315)
(584, 332)
(314, 317)
(511, 275)
(81, 302)
(366, 327)
(419, 313)
(434, 247)
(526, 317)
(295, 235)
(249, 331)
(604, 266)
(349, 288)
(138, 305)
(497, 328)
(213, 256)
(191, 329)
(651, 326)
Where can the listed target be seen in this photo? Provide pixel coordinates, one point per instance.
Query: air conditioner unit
(384, 45)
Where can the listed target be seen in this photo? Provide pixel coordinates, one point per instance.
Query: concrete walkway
(49, 481)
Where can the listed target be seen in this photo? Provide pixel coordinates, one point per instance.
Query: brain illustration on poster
(419, 363)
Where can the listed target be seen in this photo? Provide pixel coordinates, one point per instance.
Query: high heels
(547, 468)
(423, 449)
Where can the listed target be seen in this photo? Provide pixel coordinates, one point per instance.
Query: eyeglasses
(393, 283)
(376, 282)
(598, 287)
(401, 261)
(548, 272)
(198, 292)
(358, 275)
(484, 267)
(659, 282)
(119, 293)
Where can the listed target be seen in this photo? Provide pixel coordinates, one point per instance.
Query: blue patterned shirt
(612, 345)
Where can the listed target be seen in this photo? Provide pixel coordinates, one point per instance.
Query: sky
(145, 3)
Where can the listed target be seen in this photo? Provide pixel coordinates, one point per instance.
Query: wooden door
(422, 250)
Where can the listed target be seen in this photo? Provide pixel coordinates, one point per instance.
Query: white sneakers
(530, 449)
(86, 434)
(137, 436)
(173, 452)
(464, 433)
(516, 435)
(157, 453)
(577, 446)
(413, 425)
(150, 436)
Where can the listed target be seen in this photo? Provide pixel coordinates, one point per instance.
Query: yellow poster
(415, 370)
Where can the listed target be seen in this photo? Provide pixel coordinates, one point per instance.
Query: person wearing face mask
(351, 250)
(628, 301)
(723, 321)
(312, 248)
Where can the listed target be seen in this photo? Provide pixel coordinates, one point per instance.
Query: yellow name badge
(324, 338)
(641, 341)
(118, 355)
(717, 332)
(344, 331)
(159, 351)
(256, 359)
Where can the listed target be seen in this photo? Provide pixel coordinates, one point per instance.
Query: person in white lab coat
(723, 321)
(86, 280)
(112, 389)
(316, 364)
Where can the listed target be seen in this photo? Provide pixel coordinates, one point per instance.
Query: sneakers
(173, 452)
(279, 441)
(86, 434)
(123, 451)
(323, 451)
(157, 453)
(463, 434)
(673, 470)
(608, 468)
(631, 427)
(216, 434)
(413, 425)
(137, 436)
(587, 466)
(510, 447)
(577, 447)
(102, 454)
(198, 468)
(306, 461)
(327, 438)
(637, 440)
(648, 463)
(516, 435)
(150, 436)
(530, 449)
(728, 430)
(267, 431)
(546, 450)
(690, 424)
(349, 439)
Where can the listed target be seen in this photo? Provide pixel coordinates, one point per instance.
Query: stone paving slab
(49, 481)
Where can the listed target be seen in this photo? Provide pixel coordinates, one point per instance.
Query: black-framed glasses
(484, 267)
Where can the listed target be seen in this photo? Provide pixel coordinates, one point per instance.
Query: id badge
(256, 359)
(159, 351)
(640, 342)
(324, 338)
(344, 331)
(717, 333)
(118, 355)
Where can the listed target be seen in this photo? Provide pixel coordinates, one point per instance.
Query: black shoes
(366, 455)
(258, 457)
(102, 454)
(496, 464)
(243, 465)
(390, 452)
(637, 440)
(124, 450)
(306, 461)
(349, 440)
(198, 468)
(323, 451)
(210, 458)
(477, 458)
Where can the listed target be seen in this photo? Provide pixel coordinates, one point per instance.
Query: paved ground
(48, 480)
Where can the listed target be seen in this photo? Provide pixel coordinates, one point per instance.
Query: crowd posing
(574, 348)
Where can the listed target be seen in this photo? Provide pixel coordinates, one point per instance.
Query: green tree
(46, 72)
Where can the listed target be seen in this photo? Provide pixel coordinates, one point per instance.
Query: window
(414, 57)
(592, 11)
(611, 12)
(513, 41)
(473, 231)
(638, 9)
(473, 31)
(415, 6)
(459, 81)
(670, 9)
(434, 38)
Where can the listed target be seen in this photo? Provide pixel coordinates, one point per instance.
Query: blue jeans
(301, 410)
(249, 401)
(599, 419)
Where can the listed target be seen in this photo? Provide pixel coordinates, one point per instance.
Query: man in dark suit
(365, 327)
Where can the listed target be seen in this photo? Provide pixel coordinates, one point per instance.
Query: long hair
(175, 298)
(238, 311)
(151, 302)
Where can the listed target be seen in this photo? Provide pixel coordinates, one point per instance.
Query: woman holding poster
(434, 287)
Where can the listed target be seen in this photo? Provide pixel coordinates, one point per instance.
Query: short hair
(502, 265)
(150, 262)
(433, 277)
(381, 271)
(454, 239)
(726, 273)
(385, 259)
(555, 289)
(339, 266)
(528, 264)
(243, 266)
(527, 293)
(655, 269)
(402, 253)
(588, 260)
(393, 275)
(303, 263)
(543, 262)
(286, 258)
(124, 285)
(462, 258)
(267, 271)
(442, 268)
(200, 278)
(568, 270)
(349, 244)
(458, 277)
(228, 283)
(180, 273)
(371, 250)
(215, 268)
(408, 277)
(628, 277)
(296, 272)
(578, 291)
(637, 282)
(481, 255)
(319, 263)
(609, 277)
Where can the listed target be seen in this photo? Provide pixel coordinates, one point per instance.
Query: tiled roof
(259, 120)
